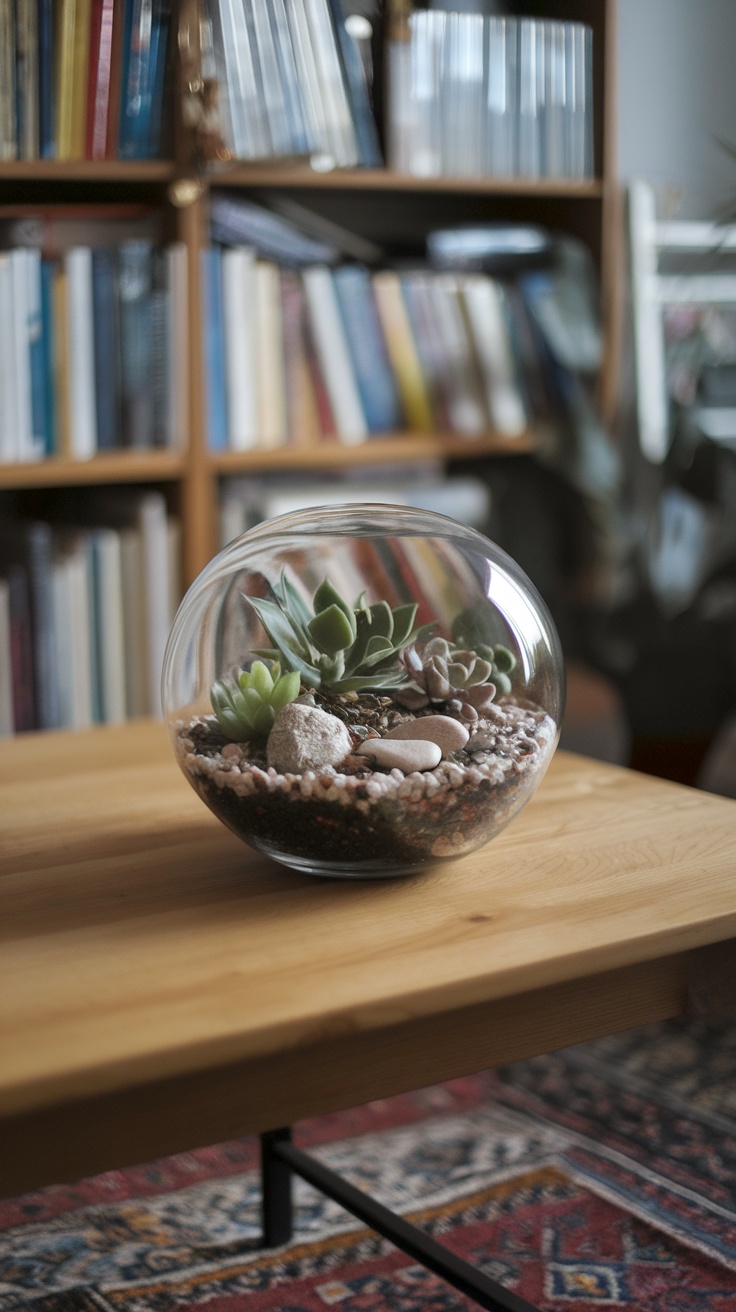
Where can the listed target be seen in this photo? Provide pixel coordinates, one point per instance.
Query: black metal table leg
(276, 1202)
(278, 1149)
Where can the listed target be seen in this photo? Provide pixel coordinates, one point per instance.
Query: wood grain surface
(150, 960)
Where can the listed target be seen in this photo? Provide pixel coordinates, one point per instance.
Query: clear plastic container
(361, 691)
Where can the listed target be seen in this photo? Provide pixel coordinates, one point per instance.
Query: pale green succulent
(332, 644)
(247, 708)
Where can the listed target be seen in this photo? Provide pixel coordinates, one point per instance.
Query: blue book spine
(157, 77)
(374, 375)
(45, 20)
(129, 65)
(37, 364)
(105, 311)
(214, 328)
(356, 87)
(48, 271)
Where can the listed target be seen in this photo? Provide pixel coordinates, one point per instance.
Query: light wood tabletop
(163, 986)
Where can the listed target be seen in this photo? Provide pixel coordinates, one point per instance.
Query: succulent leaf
(331, 630)
(326, 596)
(403, 617)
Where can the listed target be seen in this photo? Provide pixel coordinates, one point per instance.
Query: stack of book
(83, 79)
(301, 355)
(290, 82)
(94, 349)
(484, 96)
(85, 613)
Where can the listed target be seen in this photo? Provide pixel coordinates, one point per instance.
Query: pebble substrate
(353, 814)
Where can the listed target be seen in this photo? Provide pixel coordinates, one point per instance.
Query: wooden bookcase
(377, 203)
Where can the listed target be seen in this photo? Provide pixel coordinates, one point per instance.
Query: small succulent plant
(441, 671)
(332, 644)
(247, 708)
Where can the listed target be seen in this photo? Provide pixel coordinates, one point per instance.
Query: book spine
(135, 104)
(238, 286)
(178, 347)
(19, 261)
(106, 347)
(36, 354)
(364, 124)
(155, 553)
(120, 30)
(100, 69)
(376, 383)
(302, 414)
(26, 58)
(135, 263)
(80, 319)
(8, 113)
(270, 380)
(402, 351)
(9, 446)
(45, 663)
(157, 76)
(332, 350)
(216, 386)
(48, 272)
(46, 78)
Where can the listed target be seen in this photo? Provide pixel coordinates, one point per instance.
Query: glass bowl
(363, 690)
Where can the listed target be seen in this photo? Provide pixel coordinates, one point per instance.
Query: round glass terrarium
(363, 690)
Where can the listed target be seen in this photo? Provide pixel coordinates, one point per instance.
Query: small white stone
(409, 755)
(450, 735)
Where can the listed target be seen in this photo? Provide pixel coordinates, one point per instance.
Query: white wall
(676, 73)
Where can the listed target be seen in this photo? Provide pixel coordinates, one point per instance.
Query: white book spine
(83, 419)
(155, 554)
(238, 286)
(82, 628)
(61, 585)
(112, 663)
(484, 309)
(9, 446)
(134, 623)
(334, 358)
(269, 354)
(21, 350)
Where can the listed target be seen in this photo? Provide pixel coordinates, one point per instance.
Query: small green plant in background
(332, 644)
(247, 708)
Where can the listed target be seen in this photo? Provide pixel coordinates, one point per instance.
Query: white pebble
(412, 754)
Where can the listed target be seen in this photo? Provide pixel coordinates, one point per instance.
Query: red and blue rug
(601, 1177)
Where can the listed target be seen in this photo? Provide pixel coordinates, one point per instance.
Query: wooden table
(162, 986)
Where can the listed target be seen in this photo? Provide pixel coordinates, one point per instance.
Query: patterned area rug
(603, 1177)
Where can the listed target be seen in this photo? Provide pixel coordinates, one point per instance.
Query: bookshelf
(395, 208)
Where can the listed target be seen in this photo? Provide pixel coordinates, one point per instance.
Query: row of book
(86, 604)
(296, 356)
(95, 346)
(474, 95)
(82, 79)
(285, 79)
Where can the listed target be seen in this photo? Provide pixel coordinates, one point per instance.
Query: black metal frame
(280, 1159)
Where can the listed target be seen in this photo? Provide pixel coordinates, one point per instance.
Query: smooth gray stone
(450, 735)
(406, 755)
(306, 738)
